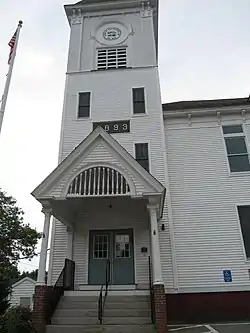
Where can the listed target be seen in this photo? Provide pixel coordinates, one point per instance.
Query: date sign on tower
(111, 127)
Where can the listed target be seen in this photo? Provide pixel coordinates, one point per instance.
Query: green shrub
(17, 319)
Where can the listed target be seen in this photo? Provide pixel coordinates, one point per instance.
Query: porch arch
(100, 180)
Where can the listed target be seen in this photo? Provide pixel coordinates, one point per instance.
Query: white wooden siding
(204, 197)
(24, 288)
(59, 252)
(100, 154)
(111, 99)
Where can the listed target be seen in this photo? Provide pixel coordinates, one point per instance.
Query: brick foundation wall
(160, 308)
(198, 308)
(39, 317)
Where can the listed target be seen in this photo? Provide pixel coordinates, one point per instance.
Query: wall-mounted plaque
(111, 127)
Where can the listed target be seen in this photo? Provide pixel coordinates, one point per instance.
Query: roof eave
(207, 111)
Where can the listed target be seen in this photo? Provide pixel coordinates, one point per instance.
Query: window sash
(232, 129)
(139, 100)
(84, 105)
(236, 147)
(244, 217)
(142, 155)
(84, 99)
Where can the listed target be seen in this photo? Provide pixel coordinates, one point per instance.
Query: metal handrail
(101, 300)
(64, 282)
(152, 298)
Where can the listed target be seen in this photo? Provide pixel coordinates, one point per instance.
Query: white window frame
(132, 103)
(149, 152)
(247, 260)
(235, 135)
(77, 107)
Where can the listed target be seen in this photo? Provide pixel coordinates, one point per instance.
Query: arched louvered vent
(102, 181)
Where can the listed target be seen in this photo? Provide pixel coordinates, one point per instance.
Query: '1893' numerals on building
(114, 126)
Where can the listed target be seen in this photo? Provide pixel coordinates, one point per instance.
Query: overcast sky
(204, 52)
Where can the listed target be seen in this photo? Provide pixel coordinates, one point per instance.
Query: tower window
(84, 105)
(139, 100)
(141, 155)
(112, 58)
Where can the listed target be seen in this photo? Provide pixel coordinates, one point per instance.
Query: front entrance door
(117, 247)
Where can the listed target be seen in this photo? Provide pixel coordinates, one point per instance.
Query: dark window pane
(239, 163)
(244, 214)
(144, 164)
(84, 99)
(141, 155)
(141, 150)
(139, 107)
(83, 111)
(236, 145)
(232, 129)
(138, 95)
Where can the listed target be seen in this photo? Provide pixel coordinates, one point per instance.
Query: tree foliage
(17, 240)
(33, 274)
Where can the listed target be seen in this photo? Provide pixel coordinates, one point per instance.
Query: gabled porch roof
(99, 156)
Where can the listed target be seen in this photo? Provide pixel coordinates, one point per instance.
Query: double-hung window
(244, 215)
(142, 155)
(139, 100)
(236, 148)
(84, 105)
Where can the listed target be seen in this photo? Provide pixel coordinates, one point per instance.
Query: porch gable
(98, 156)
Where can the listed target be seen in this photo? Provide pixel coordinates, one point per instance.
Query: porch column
(42, 291)
(155, 246)
(44, 248)
(158, 284)
(70, 243)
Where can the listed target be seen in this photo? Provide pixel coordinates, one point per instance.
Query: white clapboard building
(146, 196)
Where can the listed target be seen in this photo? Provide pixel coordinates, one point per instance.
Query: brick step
(106, 320)
(99, 328)
(107, 313)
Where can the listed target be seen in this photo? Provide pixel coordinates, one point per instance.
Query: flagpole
(9, 75)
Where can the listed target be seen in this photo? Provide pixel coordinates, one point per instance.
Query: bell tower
(112, 77)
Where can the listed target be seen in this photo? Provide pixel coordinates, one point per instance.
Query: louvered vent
(99, 181)
(112, 58)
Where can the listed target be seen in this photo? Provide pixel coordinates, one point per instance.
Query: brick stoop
(160, 308)
(39, 320)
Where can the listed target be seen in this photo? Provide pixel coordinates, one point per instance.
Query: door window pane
(122, 246)
(100, 247)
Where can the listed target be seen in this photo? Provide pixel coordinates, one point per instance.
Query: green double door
(113, 249)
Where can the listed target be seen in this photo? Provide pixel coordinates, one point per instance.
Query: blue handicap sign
(227, 276)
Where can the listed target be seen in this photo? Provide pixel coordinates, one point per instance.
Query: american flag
(11, 44)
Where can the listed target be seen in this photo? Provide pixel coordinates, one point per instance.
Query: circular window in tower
(112, 33)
